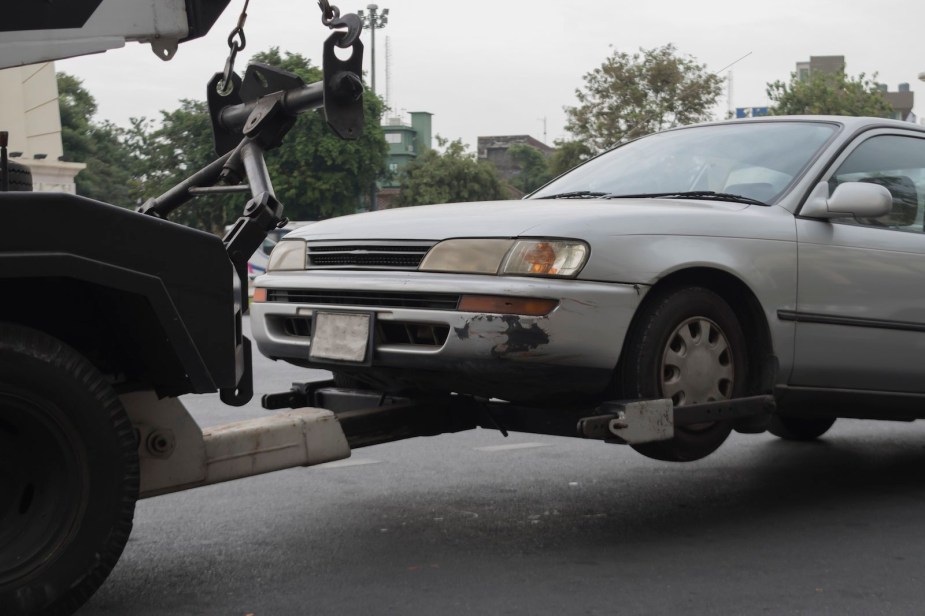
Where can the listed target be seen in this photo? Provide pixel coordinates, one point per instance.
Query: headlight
(470, 256)
(287, 255)
(546, 258)
(533, 257)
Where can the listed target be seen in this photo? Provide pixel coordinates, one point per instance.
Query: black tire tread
(31, 342)
(804, 429)
(643, 335)
(20, 177)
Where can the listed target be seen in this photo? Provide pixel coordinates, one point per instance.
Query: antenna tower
(388, 71)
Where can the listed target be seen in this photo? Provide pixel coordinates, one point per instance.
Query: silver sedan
(776, 255)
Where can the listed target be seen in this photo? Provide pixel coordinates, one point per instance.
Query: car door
(860, 318)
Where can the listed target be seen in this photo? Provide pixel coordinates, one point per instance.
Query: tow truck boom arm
(43, 31)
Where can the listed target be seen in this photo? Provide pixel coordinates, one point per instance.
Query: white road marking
(349, 462)
(512, 446)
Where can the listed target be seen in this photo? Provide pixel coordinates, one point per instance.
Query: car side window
(896, 163)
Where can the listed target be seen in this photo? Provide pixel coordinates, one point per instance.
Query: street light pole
(372, 22)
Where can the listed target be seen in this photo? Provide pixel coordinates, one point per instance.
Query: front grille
(301, 327)
(416, 334)
(381, 255)
(373, 299)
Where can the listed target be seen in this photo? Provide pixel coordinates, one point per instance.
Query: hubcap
(697, 363)
(41, 483)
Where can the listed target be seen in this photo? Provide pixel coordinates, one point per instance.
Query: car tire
(68, 475)
(799, 428)
(686, 345)
(20, 177)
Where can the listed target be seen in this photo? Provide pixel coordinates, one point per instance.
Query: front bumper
(429, 345)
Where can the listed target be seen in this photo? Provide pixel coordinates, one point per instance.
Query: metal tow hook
(330, 17)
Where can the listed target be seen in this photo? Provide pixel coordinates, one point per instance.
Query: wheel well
(117, 331)
(744, 304)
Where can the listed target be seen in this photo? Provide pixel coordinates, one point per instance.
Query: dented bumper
(422, 341)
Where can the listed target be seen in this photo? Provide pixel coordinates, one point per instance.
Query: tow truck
(101, 329)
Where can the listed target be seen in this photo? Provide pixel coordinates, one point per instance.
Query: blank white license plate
(340, 336)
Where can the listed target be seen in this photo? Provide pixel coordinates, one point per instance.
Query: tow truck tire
(799, 428)
(20, 177)
(670, 321)
(68, 475)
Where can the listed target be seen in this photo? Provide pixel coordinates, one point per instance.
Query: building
(495, 150)
(29, 112)
(406, 141)
(901, 100)
(822, 64)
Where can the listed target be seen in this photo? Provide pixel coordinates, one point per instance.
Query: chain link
(236, 42)
(328, 13)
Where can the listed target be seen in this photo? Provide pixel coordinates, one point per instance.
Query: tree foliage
(533, 165)
(453, 176)
(568, 155)
(633, 95)
(172, 151)
(109, 175)
(826, 93)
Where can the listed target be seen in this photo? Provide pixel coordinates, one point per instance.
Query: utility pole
(372, 22)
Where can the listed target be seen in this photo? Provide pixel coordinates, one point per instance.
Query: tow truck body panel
(93, 253)
(42, 31)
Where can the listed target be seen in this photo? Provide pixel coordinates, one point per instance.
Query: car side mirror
(860, 199)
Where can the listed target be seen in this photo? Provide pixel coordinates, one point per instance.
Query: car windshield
(756, 160)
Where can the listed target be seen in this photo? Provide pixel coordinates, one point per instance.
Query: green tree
(174, 150)
(109, 175)
(534, 168)
(828, 94)
(568, 155)
(453, 176)
(633, 95)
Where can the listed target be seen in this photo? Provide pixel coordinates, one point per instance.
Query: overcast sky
(507, 67)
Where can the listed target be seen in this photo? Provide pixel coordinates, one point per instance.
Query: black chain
(328, 13)
(330, 17)
(236, 42)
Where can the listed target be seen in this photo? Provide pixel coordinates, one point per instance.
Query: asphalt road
(473, 523)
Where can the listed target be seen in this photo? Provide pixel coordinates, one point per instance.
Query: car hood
(579, 218)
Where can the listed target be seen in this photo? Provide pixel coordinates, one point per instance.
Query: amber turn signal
(260, 295)
(498, 304)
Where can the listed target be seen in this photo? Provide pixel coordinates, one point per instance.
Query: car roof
(849, 122)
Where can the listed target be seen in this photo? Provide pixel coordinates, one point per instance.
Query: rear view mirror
(859, 199)
(905, 200)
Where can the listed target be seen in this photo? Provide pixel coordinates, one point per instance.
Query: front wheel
(688, 346)
(799, 428)
(68, 475)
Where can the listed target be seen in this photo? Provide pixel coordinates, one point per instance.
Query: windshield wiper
(577, 194)
(692, 194)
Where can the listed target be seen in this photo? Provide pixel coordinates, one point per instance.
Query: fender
(184, 274)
